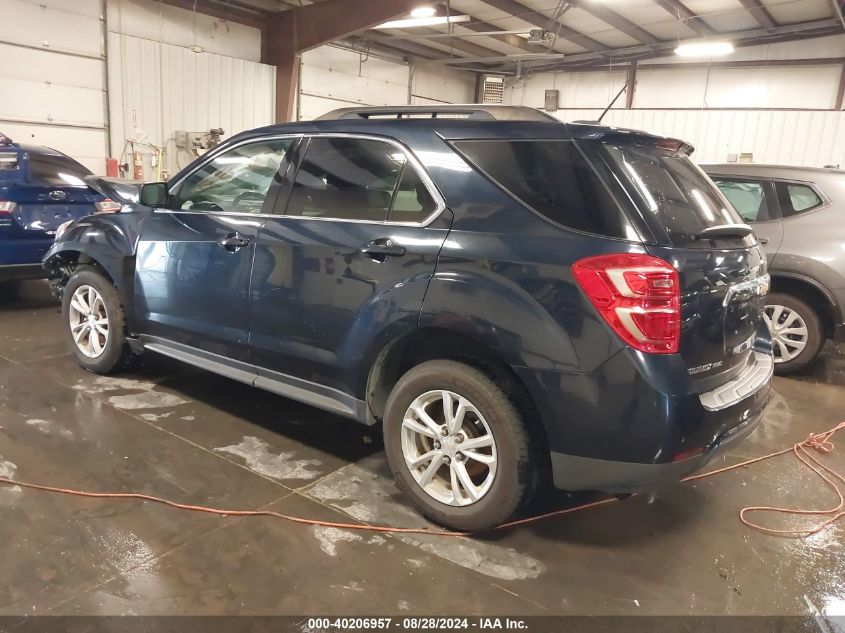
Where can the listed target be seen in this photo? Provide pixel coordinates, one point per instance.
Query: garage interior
(140, 88)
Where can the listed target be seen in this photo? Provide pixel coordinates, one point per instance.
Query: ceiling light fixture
(432, 21)
(705, 49)
(423, 12)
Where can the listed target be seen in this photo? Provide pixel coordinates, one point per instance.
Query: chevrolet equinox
(514, 299)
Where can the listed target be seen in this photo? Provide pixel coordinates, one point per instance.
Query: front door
(350, 260)
(195, 257)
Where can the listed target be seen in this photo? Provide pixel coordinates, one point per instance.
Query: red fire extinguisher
(138, 166)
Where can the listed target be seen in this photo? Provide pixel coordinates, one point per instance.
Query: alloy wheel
(449, 448)
(89, 321)
(789, 332)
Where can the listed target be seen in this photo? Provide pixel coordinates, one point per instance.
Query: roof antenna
(610, 105)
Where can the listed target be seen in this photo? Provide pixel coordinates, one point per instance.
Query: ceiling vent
(492, 89)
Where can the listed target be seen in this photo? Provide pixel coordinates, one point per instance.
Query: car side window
(748, 197)
(413, 201)
(797, 198)
(347, 179)
(236, 181)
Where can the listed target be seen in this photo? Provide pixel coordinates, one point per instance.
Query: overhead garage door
(52, 76)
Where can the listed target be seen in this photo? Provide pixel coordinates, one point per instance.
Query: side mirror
(154, 194)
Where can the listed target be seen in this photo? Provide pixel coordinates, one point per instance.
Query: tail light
(107, 206)
(6, 209)
(638, 295)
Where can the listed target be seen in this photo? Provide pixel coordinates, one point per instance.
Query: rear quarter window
(796, 197)
(552, 178)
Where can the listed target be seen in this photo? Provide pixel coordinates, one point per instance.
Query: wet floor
(177, 432)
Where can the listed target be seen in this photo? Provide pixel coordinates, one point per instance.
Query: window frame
(637, 238)
(410, 158)
(272, 191)
(769, 190)
(804, 183)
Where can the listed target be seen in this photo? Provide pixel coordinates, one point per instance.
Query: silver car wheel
(789, 332)
(449, 448)
(89, 321)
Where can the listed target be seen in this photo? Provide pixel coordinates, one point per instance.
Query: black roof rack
(467, 111)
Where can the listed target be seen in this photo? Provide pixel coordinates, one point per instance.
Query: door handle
(383, 248)
(234, 242)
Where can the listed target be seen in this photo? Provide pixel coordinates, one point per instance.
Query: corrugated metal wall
(791, 137)
(160, 88)
(334, 77)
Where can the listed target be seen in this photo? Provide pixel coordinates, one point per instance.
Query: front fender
(109, 241)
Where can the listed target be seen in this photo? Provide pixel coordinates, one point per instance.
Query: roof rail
(459, 111)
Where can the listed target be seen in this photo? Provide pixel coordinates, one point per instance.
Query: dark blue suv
(514, 299)
(40, 189)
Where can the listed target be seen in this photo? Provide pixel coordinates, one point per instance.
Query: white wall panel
(332, 77)
(85, 145)
(584, 90)
(435, 84)
(783, 137)
(160, 88)
(152, 20)
(61, 25)
(52, 76)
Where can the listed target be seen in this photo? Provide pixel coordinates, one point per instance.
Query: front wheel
(797, 333)
(94, 323)
(457, 446)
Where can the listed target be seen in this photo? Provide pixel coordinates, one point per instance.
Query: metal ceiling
(584, 33)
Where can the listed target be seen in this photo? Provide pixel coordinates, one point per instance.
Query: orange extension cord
(821, 442)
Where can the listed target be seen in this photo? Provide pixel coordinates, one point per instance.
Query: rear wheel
(797, 333)
(94, 322)
(457, 446)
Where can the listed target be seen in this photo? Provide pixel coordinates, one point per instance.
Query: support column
(632, 85)
(290, 33)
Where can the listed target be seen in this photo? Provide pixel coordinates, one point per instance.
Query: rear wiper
(725, 230)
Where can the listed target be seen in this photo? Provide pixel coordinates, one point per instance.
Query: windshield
(678, 194)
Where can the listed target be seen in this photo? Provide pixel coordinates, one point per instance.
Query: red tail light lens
(107, 206)
(638, 295)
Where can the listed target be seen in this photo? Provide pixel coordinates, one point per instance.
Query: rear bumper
(15, 272)
(638, 424)
(571, 472)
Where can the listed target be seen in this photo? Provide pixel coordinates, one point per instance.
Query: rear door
(350, 258)
(756, 202)
(722, 280)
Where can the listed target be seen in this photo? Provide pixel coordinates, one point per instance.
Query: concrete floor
(177, 432)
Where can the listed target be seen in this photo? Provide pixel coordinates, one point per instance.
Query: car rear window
(551, 177)
(57, 171)
(675, 191)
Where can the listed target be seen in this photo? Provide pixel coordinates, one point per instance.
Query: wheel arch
(434, 343)
(814, 294)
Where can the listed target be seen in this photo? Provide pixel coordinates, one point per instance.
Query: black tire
(9, 290)
(115, 353)
(516, 477)
(815, 332)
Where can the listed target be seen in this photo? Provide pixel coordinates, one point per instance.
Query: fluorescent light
(705, 49)
(432, 21)
(423, 12)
